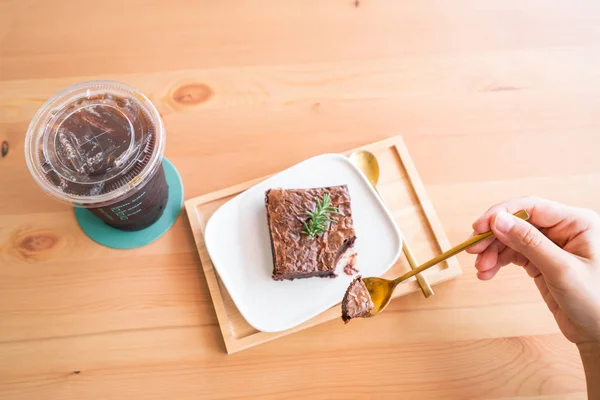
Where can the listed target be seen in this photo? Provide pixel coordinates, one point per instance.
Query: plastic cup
(100, 145)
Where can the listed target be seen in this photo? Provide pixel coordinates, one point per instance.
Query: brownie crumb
(349, 268)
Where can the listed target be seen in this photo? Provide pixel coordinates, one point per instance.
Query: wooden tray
(405, 196)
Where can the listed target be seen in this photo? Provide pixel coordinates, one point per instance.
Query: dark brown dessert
(296, 253)
(357, 301)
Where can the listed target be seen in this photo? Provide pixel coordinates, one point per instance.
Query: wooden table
(494, 99)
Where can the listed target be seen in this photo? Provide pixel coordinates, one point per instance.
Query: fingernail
(504, 222)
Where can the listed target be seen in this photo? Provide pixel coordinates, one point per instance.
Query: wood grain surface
(493, 98)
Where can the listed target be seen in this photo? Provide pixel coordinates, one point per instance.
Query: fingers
(508, 256)
(481, 246)
(527, 246)
(582, 220)
(505, 255)
(489, 274)
(542, 213)
(525, 239)
(488, 259)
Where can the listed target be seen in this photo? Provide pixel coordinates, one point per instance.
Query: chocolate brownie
(296, 254)
(357, 301)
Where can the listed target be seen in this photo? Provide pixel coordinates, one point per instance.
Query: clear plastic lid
(94, 143)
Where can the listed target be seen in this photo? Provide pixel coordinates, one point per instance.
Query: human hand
(559, 247)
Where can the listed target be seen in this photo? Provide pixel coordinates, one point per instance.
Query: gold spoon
(367, 163)
(381, 289)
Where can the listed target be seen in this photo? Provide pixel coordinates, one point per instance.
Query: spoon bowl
(381, 291)
(368, 165)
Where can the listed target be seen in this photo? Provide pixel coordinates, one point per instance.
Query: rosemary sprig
(317, 222)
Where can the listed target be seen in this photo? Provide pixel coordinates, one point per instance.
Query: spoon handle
(410, 257)
(455, 250)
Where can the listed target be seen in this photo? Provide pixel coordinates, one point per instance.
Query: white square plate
(237, 240)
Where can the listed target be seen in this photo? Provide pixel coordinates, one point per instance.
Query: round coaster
(108, 236)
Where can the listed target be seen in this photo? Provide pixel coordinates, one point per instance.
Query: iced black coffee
(99, 145)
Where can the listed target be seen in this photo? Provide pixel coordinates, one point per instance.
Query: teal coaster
(108, 236)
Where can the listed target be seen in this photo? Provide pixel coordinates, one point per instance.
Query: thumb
(523, 237)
